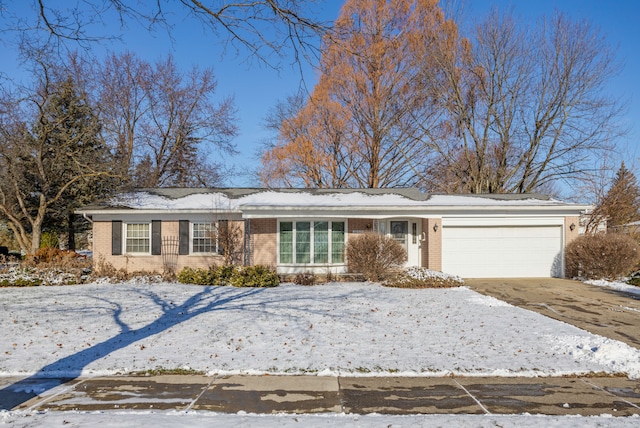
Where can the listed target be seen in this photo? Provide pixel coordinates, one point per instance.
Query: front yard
(339, 328)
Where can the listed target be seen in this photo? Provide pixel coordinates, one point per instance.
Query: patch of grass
(595, 375)
(20, 282)
(159, 371)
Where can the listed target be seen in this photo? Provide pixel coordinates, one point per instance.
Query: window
(286, 242)
(204, 238)
(311, 242)
(138, 238)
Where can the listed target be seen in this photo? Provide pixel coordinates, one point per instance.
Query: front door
(407, 234)
(399, 230)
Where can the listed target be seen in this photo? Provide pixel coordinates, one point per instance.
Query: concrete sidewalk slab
(272, 394)
(548, 396)
(319, 394)
(122, 393)
(406, 395)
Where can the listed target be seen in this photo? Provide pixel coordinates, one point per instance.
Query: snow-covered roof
(253, 200)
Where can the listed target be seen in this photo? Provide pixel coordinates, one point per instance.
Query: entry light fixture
(572, 227)
(435, 227)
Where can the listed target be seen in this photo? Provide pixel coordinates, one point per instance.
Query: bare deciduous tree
(525, 109)
(182, 116)
(161, 123)
(263, 27)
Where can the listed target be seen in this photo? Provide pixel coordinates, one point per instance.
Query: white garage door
(494, 252)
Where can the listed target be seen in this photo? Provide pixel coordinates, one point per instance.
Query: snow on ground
(617, 285)
(136, 419)
(340, 328)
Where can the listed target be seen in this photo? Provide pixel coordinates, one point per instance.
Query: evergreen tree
(70, 125)
(52, 159)
(621, 204)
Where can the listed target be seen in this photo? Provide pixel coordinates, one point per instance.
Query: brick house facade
(294, 230)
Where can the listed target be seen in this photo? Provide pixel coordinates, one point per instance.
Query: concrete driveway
(599, 310)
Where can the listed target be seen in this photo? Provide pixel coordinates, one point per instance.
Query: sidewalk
(617, 396)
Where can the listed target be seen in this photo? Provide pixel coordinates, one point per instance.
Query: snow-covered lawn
(340, 328)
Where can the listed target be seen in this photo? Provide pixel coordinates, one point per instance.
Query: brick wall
(103, 258)
(359, 225)
(264, 241)
(570, 235)
(432, 248)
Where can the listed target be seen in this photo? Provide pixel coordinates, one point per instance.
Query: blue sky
(257, 88)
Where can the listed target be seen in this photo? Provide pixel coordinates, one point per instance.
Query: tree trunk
(71, 231)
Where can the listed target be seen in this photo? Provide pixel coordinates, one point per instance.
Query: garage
(502, 251)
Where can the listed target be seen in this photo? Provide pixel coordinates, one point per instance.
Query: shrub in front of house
(305, 278)
(254, 276)
(601, 256)
(196, 276)
(237, 276)
(374, 256)
(416, 277)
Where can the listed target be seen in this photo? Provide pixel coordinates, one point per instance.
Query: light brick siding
(432, 248)
(570, 235)
(264, 241)
(102, 257)
(358, 225)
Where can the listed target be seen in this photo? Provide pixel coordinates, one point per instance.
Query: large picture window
(312, 242)
(138, 238)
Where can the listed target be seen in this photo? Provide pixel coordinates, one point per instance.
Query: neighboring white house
(298, 230)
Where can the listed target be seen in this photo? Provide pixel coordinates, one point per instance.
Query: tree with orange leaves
(364, 123)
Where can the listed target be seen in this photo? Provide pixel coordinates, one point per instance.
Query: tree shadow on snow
(48, 377)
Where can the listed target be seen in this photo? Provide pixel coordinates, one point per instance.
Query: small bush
(255, 276)
(601, 256)
(56, 257)
(374, 255)
(634, 281)
(305, 278)
(195, 276)
(415, 277)
(49, 240)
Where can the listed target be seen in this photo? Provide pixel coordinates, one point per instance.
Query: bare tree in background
(525, 108)
(161, 123)
(182, 116)
(266, 28)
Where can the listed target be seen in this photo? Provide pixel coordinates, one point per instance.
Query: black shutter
(156, 237)
(116, 238)
(183, 232)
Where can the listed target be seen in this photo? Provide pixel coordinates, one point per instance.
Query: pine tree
(621, 204)
(52, 160)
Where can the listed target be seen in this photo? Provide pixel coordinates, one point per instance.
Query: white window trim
(311, 243)
(215, 226)
(126, 237)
